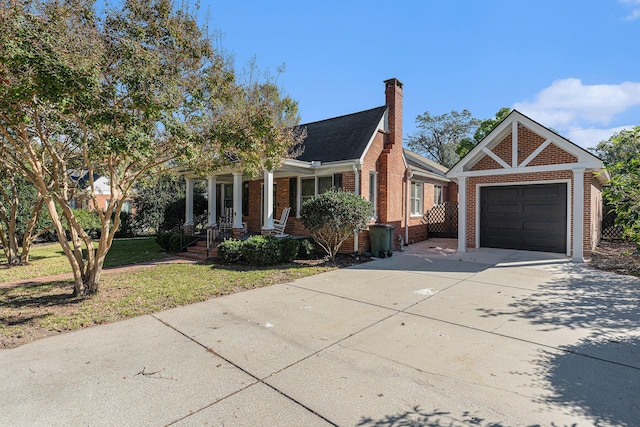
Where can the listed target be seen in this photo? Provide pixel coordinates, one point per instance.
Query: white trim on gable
(382, 126)
(510, 126)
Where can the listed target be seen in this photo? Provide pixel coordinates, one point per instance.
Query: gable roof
(584, 158)
(424, 167)
(341, 138)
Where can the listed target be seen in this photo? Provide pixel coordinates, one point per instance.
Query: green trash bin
(381, 238)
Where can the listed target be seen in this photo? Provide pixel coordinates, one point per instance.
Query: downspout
(357, 191)
(409, 175)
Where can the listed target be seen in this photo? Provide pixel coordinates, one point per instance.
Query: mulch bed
(617, 256)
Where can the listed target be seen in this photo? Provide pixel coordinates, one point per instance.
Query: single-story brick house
(360, 152)
(101, 196)
(526, 187)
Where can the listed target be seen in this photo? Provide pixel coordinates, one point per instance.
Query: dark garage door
(526, 217)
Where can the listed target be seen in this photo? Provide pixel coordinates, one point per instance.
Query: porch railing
(212, 234)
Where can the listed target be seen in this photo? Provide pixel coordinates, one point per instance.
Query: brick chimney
(391, 169)
(393, 98)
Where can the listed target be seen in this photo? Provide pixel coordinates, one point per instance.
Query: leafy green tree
(333, 216)
(22, 219)
(486, 126)
(153, 195)
(620, 156)
(122, 93)
(438, 136)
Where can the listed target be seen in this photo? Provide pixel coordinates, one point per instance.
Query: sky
(571, 65)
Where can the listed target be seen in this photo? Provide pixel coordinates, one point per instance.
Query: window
(416, 198)
(372, 191)
(228, 196)
(245, 198)
(308, 189)
(437, 195)
(324, 184)
(337, 180)
(127, 205)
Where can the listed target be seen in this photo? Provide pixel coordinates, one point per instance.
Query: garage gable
(526, 187)
(519, 145)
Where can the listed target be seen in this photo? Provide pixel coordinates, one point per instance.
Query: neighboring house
(526, 187)
(360, 152)
(101, 194)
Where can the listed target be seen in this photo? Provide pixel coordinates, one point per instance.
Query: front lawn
(32, 312)
(48, 259)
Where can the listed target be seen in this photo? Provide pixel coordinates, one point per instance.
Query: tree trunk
(78, 279)
(27, 238)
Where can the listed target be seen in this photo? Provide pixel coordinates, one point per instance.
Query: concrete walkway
(427, 337)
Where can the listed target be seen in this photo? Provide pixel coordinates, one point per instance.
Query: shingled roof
(340, 138)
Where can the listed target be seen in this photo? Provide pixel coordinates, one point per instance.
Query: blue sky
(573, 65)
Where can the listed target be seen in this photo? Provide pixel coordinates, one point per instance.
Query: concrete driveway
(425, 338)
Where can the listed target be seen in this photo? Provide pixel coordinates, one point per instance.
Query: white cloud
(635, 9)
(568, 102)
(582, 113)
(590, 137)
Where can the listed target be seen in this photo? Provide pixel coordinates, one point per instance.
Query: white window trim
(412, 199)
(374, 174)
(441, 195)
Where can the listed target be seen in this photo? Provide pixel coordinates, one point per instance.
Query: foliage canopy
(123, 93)
(333, 216)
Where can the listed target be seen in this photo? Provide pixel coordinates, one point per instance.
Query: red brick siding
(553, 155)
(528, 142)
(503, 150)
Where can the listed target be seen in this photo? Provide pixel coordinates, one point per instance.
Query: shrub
(307, 249)
(332, 217)
(175, 211)
(169, 241)
(288, 249)
(89, 221)
(261, 250)
(125, 229)
(230, 250)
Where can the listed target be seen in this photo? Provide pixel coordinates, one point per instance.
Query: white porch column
(211, 199)
(268, 200)
(237, 200)
(189, 202)
(462, 214)
(578, 215)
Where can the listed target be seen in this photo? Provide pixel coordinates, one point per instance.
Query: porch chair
(280, 224)
(225, 222)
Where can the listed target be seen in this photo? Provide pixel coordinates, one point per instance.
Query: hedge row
(265, 250)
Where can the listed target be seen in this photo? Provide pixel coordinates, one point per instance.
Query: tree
(484, 128)
(21, 218)
(122, 93)
(152, 197)
(333, 216)
(438, 136)
(620, 156)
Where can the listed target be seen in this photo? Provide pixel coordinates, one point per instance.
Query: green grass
(30, 312)
(48, 259)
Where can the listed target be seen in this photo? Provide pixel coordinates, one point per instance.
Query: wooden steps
(198, 252)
